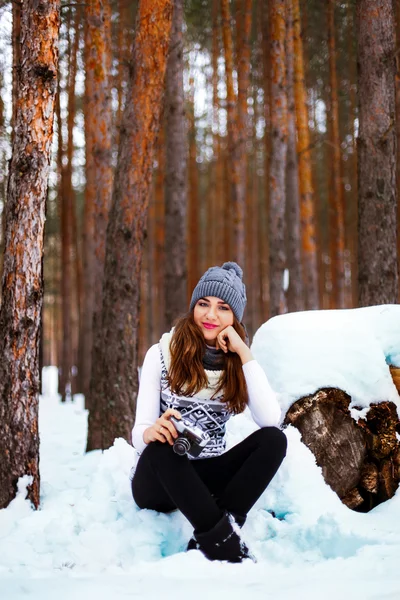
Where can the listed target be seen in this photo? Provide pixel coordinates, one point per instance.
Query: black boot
(222, 542)
(239, 520)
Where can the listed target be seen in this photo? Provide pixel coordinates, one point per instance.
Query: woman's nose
(212, 314)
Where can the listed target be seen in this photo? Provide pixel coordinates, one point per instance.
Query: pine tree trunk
(22, 284)
(175, 178)
(114, 372)
(307, 204)
(16, 45)
(122, 55)
(335, 188)
(159, 259)
(397, 20)
(3, 176)
(295, 291)
(76, 315)
(68, 223)
(237, 186)
(377, 194)
(220, 225)
(264, 208)
(193, 258)
(277, 177)
(352, 234)
(243, 74)
(98, 131)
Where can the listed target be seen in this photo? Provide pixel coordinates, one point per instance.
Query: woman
(203, 370)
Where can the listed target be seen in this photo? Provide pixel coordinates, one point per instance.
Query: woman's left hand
(229, 340)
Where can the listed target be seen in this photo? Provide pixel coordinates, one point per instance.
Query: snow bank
(349, 349)
(90, 540)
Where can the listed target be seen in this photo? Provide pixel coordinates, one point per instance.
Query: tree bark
(335, 188)
(98, 132)
(68, 223)
(114, 372)
(3, 174)
(307, 204)
(295, 292)
(244, 15)
(237, 186)
(220, 225)
(176, 176)
(159, 245)
(193, 256)
(264, 208)
(360, 460)
(16, 45)
(397, 21)
(22, 284)
(277, 178)
(352, 116)
(377, 194)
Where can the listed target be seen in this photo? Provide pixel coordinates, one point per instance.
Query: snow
(89, 540)
(348, 349)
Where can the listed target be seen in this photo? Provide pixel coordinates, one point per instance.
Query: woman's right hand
(163, 430)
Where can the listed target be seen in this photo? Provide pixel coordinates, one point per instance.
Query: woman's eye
(224, 307)
(203, 304)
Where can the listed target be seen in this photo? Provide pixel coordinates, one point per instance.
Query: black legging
(202, 489)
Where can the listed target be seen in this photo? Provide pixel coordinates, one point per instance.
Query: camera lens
(181, 446)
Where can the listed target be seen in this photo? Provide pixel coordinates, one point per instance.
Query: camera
(192, 439)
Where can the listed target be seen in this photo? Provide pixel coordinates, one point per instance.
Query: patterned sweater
(211, 414)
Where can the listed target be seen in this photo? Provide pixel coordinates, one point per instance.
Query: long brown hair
(186, 374)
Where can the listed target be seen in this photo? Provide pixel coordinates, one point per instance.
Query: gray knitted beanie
(223, 282)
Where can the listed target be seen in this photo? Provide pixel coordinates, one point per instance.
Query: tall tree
(3, 169)
(68, 219)
(244, 18)
(22, 284)
(114, 382)
(295, 291)
(237, 185)
(307, 205)
(220, 227)
(377, 194)
(264, 35)
(16, 46)
(193, 250)
(277, 179)
(159, 233)
(175, 176)
(335, 189)
(98, 133)
(397, 20)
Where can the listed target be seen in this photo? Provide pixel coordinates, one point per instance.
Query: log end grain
(359, 460)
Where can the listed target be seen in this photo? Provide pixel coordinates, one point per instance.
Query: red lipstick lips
(209, 326)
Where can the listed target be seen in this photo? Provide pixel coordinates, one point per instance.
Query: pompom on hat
(223, 282)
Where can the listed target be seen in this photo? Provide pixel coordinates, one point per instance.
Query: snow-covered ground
(89, 540)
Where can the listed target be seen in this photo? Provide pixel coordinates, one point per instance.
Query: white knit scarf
(212, 376)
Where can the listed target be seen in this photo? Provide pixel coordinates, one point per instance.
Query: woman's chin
(210, 337)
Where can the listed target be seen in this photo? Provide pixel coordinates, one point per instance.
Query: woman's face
(212, 315)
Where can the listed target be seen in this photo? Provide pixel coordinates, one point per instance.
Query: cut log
(360, 460)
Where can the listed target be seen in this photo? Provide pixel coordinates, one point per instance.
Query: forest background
(252, 154)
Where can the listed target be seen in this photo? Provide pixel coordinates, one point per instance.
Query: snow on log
(337, 377)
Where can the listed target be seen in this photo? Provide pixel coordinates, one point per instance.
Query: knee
(274, 437)
(158, 453)
(156, 450)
